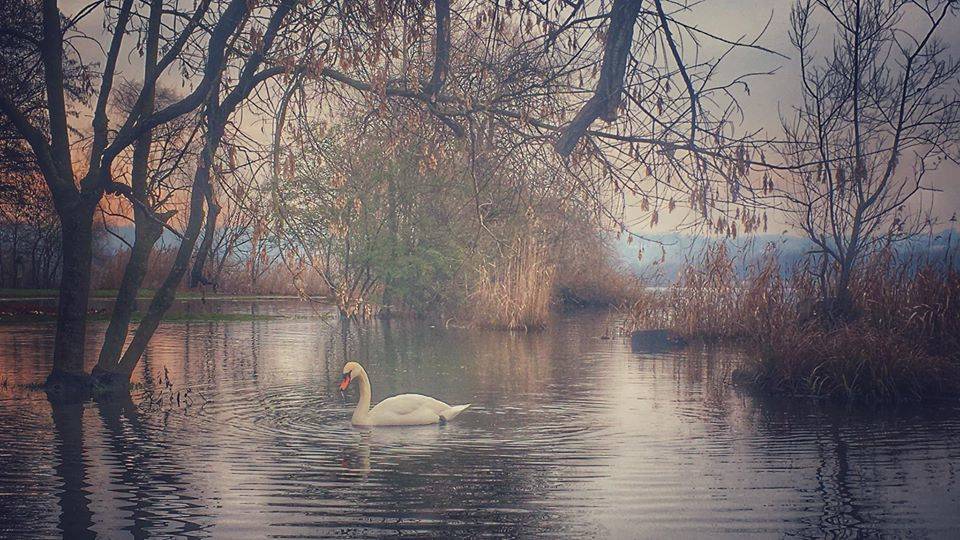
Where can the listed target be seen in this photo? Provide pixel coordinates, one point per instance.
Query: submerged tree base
(72, 386)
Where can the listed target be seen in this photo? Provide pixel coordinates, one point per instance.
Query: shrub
(587, 276)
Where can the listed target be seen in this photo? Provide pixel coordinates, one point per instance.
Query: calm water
(570, 436)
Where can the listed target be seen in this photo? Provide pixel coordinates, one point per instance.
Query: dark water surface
(570, 436)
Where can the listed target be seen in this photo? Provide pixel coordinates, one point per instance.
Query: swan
(402, 410)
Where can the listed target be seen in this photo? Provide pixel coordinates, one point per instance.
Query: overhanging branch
(442, 46)
(606, 97)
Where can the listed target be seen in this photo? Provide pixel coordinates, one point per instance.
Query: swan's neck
(363, 406)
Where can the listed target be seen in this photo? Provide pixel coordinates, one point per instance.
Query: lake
(243, 433)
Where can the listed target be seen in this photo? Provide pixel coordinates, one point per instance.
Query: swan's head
(351, 370)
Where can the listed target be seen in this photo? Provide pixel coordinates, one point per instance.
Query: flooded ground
(570, 435)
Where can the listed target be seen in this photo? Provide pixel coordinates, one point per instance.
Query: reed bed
(515, 292)
(594, 281)
(902, 342)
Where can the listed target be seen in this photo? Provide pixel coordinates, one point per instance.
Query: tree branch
(442, 46)
(606, 97)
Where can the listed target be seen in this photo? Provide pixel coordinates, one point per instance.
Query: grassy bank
(520, 289)
(38, 317)
(901, 341)
(108, 294)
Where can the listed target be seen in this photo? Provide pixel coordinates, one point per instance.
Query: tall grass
(515, 291)
(710, 301)
(903, 342)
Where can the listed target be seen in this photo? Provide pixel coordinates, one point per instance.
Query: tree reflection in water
(122, 463)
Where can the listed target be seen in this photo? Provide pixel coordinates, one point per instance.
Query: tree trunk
(163, 298)
(209, 231)
(76, 252)
(842, 307)
(148, 231)
(165, 295)
(393, 227)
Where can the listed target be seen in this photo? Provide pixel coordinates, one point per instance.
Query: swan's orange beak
(345, 382)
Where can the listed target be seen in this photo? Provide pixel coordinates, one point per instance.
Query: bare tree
(224, 98)
(202, 46)
(29, 233)
(880, 109)
(670, 133)
(78, 189)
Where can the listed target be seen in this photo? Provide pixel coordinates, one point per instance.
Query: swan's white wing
(418, 417)
(412, 410)
(407, 404)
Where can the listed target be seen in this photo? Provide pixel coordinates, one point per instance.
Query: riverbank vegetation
(859, 318)
(898, 341)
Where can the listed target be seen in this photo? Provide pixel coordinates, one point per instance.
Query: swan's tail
(452, 412)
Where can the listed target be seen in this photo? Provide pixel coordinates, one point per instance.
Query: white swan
(402, 410)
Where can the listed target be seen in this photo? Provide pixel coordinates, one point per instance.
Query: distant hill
(676, 249)
(109, 243)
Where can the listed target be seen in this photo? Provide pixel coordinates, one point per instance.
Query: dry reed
(903, 343)
(515, 292)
